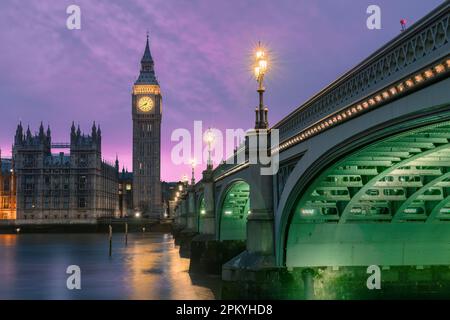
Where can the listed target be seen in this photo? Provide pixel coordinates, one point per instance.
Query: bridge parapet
(236, 161)
(424, 43)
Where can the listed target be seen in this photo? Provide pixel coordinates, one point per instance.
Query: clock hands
(145, 104)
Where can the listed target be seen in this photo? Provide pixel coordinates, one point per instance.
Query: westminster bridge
(363, 180)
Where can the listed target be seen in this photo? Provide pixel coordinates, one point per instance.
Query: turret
(49, 137)
(117, 163)
(73, 135)
(94, 132)
(41, 133)
(99, 136)
(18, 139)
(28, 135)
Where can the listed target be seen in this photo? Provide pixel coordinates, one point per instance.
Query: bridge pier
(179, 224)
(183, 231)
(204, 249)
(192, 218)
(253, 273)
(208, 254)
(308, 284)
(191, 229)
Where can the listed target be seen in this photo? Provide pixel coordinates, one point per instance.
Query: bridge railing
(426, 41)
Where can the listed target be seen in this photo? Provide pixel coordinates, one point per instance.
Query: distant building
(7, 190)
(170, 193)
(125, 193)
(79, 185)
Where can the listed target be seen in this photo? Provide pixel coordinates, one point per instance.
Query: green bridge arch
(234, 211)
(386, 204)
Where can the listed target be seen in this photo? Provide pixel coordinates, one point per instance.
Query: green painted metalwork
(234, 212)
(385, 180)
(395, 182)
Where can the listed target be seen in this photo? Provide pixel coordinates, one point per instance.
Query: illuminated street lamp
(193, 164)
(209, 139)
(260, 69)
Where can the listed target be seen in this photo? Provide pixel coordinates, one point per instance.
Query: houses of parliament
(38, 184)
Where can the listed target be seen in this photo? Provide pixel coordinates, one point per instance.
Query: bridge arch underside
(386, 204)
(234, 211)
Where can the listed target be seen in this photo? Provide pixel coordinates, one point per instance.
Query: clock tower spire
(147, 73)
(146, 109)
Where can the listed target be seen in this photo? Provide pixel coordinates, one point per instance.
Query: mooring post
(110, 240)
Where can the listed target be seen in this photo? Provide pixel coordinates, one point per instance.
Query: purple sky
(202, 52)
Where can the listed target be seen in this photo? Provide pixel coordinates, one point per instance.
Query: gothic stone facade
(60, 186)
(146, 114)
(7, 190)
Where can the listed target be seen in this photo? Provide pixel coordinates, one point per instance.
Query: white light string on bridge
(407, 85)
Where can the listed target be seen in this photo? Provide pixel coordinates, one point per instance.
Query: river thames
(33, 266)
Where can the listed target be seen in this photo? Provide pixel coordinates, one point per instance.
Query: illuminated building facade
(79, 185)
(7, 190)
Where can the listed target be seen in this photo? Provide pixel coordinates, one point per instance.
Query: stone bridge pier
(205, 248)
(189, 226)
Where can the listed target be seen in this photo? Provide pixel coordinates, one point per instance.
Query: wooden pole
(126, 233)
(110, 240)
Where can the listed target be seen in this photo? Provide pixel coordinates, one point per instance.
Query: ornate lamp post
(209, 139)
(193, 164)
(260, 69)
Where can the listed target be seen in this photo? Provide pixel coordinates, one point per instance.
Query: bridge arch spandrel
(322, 150)
(200, 210)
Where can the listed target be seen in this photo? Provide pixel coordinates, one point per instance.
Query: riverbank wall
(83, 226)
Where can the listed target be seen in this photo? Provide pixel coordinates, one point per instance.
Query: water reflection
(149, 267)
(7, 240)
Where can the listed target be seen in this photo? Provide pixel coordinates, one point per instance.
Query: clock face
(145, 104)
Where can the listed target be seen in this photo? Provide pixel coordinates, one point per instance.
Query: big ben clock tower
(146, 111)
